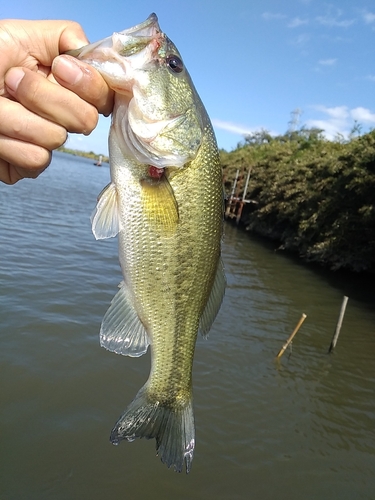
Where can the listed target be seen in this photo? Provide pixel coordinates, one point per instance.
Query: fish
(165, 203)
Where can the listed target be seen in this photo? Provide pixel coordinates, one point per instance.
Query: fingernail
(13, 78)
(67, 70)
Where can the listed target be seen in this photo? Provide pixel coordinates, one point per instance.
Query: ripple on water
(303, 426)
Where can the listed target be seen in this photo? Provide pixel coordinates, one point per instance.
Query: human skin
(43, 94)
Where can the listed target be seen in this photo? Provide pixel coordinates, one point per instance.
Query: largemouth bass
(165, 202)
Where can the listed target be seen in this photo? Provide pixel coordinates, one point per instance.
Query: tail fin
(172, 427)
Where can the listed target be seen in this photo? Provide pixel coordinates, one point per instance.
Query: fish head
(158, 116)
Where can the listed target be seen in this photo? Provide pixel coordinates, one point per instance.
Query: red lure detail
(155, 172)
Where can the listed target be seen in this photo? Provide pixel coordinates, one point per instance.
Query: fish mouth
(146, 28)
(110, 52)
(125, 60)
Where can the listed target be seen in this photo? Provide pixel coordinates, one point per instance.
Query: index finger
(29, 44)
(51, 101)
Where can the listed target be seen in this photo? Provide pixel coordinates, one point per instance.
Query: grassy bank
(84, 154)
(316, 197)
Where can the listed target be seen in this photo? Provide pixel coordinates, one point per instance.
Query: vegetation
(316, 197)
(77, 152)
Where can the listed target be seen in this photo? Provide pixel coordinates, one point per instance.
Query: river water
(300, 428)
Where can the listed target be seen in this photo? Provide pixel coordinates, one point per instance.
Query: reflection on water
(299, 428)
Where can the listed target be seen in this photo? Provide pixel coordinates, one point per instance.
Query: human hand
(44, 95)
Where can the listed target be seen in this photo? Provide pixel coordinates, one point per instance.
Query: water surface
(303, 428)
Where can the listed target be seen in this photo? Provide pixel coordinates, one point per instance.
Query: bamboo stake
(227, 212)
(285, 346)
(339, 324)
(239, 213)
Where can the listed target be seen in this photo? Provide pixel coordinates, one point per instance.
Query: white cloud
(337, 121)
(334, 20)
(296, 22)
(363, 115)
(233, 127)
(327, 62)
(336, 113)
(269, 16)
(340, 119)
(301, 39)
(368, 17)
(330, 129)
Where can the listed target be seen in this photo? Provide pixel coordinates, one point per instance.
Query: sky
(257, 64)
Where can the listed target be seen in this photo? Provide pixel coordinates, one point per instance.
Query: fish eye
(175, 63)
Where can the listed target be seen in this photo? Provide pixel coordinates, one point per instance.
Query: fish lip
(150, 22)
(147, 29)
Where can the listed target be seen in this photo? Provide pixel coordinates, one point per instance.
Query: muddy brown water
(303, 428)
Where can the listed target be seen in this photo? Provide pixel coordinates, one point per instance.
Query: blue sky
(254, 62)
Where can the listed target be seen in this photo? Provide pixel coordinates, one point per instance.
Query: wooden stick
(239, 213)
(229, 205)
(285, 346)
(339, 324)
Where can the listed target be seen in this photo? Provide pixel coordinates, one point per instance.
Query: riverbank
(84, 154)
(314, 197)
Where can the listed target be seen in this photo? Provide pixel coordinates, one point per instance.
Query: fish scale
(165, 202)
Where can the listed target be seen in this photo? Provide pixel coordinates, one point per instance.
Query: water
(303, 428)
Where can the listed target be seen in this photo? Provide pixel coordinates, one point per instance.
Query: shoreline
(90, 155)
(314, 198)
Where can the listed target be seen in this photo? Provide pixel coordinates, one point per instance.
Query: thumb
(72, 37)
(30, 44)
(44, 40)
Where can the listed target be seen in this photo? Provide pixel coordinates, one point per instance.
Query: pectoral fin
(214, 301)
(159, 205)
(105, 218)
(122, 331)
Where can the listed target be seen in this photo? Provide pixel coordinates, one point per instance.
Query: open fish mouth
(105, 53)
(147, 29)
(128, 61)
(143, 29)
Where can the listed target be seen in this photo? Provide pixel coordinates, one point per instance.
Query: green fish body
(165, 202)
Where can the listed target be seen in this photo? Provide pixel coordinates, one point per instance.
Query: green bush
(313, 195)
